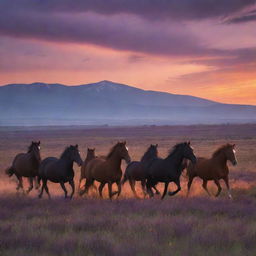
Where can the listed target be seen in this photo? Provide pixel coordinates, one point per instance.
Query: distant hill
(106, 102)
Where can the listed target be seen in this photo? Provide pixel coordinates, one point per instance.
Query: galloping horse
(26, 165)
(107, 170)
(169, 169)
(60, 170)
(90, 155)
(136, 170)
(215, 168)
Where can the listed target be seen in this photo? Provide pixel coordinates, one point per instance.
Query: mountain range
(107, 102)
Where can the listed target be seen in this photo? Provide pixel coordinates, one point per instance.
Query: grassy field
(198, 225)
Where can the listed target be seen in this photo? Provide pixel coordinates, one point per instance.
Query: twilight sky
(205, 48)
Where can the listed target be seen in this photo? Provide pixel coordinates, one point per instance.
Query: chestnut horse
(107, 170)
(26, 165)
(90, 155)
(215, 168)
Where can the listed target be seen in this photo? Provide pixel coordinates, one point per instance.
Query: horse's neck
(36, 158)
(175, 158)
(221, 159)
(115, 159)
(68, 161)
(146, 158)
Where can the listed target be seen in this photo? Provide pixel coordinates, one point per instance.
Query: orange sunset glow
(205, 55)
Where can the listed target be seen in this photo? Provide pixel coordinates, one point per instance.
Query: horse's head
(188, 152)
(153, 149)
(75, 154)
(91, 152)
(123, 151)
(35, 148)
(231, 153)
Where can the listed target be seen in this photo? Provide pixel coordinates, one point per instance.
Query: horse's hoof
(114, 193)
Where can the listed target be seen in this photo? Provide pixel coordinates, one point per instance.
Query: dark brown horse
(215, 168)
(26, 165)
(107, 170)
(60, 170)
(136, 170)
(90, 155)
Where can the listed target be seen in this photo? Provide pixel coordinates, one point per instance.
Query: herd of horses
(149, 171)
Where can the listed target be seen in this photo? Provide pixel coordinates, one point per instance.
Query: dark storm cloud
(152, 9)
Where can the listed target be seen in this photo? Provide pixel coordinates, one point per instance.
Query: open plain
(197, 225)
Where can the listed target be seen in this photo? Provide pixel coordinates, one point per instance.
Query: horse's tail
(10, 171)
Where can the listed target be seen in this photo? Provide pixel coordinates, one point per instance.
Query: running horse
(26, 165)
(169, 169)
(214, 168)
(136, 170)
(60, 170)
(107, 170)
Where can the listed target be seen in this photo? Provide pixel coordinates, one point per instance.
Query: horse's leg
(101, 186)
(165, 189)
(110, 194)
(30, 180)
(119, 187)
(205, 187)
(177, 190)
(18, 183)
(149, 189)
(227, 184)
(143, 186)
(189, 184)
(64, 188)
(219, 187)
(21, 184)
(37, 185)
(132, 185)
(156, 190)
(72, 184)
(42, 190)
(88, 184)
(46, 189)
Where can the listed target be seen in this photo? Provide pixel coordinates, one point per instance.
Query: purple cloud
(152, 9)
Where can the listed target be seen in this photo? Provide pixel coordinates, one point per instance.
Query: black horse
(136, 170)
(60, 170)
(169, 169)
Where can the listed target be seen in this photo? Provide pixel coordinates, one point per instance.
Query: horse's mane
(148, 154)
(66, 152)
(112, 150)
(175, 148)
(220, 149)
(30, 148)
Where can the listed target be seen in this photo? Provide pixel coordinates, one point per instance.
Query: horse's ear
(189, 142)
(124, 142)
(76, 146)
(233, 145)
(156, 145)
(39, 142)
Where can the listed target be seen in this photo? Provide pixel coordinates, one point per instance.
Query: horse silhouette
(26, 165)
